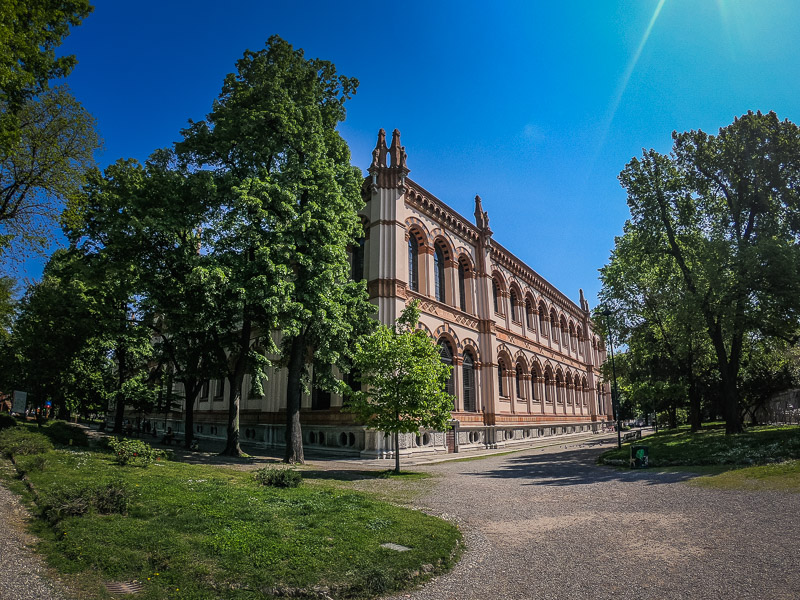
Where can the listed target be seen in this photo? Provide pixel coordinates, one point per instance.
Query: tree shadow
(340, 474)
(576, 467)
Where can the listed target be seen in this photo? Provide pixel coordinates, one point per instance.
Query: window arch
(513, 304)
(413, 263)
(468, 382)
(542, 318)
(438, 273)
(446, 355)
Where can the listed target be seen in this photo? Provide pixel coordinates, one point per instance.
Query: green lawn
(710, 446)
(197, 531)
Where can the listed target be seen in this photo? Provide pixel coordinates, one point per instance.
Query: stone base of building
(358, 442)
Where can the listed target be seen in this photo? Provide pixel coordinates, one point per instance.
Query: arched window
(529, 314)
(512, 303)
(500, 370)
(534, 381)
(519, 381)
(548, 397)
(446, 354)
(413, 264)
(358, 260)
(496, 295)
(542, 319)
(468, 377)
(438, 273)
(462, 287)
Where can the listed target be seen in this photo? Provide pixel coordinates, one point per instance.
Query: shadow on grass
(360, 475)
(572, 467)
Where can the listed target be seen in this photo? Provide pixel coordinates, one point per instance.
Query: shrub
(6, 421)
(61, 432)
(278, 477)
(76, 500)
(18, 441)
(134, 452)
(28, 464)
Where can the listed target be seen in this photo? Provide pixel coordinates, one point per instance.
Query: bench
(632, 435)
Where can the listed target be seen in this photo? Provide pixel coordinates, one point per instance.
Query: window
(500, 378)
(529, 314)
(548, 395)
(358, 260)
(204, 391)
(446, 354)
(519, 382)
(468, 375)
(512, 303)
(219, 387)
(542, 319)
(413, 270)
(462, 287)
(320, 399)
(534, 379)
(438, 273)
(496, 295)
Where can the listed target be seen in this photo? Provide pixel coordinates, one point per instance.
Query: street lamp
(614, 399)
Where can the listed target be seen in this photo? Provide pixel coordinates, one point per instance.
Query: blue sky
(536, 106)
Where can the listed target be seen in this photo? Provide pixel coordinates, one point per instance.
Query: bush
(134, 452)
(28, 464)
(278, 477)
(6, 421)
(77, 500)
(18, 441)
(65, 434)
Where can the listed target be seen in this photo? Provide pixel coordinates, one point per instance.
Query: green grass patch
(710, 446)
(782, 477)
(202, 532)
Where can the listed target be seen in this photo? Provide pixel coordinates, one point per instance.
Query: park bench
(636, 434)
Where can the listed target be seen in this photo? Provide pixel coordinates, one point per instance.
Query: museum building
(525, 357)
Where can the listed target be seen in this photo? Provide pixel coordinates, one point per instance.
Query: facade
(525, 358)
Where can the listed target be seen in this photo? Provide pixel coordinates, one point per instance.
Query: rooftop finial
(380, 151)
(397, 152)
(481, 216)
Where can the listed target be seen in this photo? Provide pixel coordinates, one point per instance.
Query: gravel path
(549, 524)
(22, 576)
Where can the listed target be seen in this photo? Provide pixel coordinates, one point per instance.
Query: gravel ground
(22, 576)
(549, 524)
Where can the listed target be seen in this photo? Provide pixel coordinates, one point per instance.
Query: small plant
(7, 421)
(28, 464)
(17, 441)
(134, 452)
(278, 477)
(76, 500)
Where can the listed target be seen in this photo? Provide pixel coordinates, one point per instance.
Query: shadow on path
(574, 467)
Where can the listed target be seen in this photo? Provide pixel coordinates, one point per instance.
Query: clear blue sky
(536, 106)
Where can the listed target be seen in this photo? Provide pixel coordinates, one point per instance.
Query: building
(525, 357)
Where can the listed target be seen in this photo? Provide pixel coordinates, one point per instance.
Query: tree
(403, 379)
(726, 210)
(288, 200)
(46, 138)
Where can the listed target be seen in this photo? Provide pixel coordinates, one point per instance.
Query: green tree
(288, 200)
(46, 138)
(726, 209)
(403, 379)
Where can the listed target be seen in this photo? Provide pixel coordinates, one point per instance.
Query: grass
(710, 446)
(781, 477)
(197, 532)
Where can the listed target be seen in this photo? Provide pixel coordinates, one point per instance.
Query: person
(168, 437)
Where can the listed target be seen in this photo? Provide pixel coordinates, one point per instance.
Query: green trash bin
(639, 455)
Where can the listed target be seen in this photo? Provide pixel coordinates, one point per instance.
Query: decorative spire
(380, 151)
(397, 152)
(481, 216)
(584, 303)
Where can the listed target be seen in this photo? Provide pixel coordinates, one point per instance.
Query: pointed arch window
(534, 380)
(413, 264)
(446, 354)
(547, 393)
(512, 303)
(462, 287)
(500, 378)
(468, 377)
(519, 381)
(496, 295)
(438, 273)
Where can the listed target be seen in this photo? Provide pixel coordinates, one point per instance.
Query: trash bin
(639, 455)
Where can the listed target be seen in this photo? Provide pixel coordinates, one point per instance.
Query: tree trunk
(294, 393)
(397, 452)
(119, 415)
(191, 388)
(232, 447)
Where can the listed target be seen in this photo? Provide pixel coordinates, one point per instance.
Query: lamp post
(614, 399)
